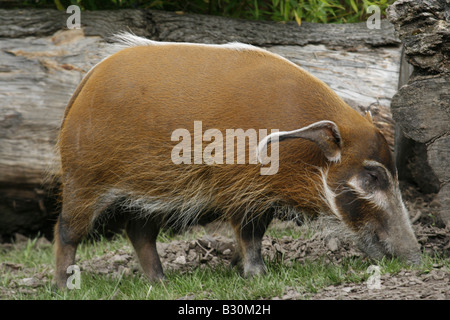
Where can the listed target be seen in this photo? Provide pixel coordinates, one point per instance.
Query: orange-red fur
(117, 130)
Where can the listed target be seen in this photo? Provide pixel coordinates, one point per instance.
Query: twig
(416, 217)
(208, 252)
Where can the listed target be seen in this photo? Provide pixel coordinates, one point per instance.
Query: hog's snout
(393, 238)
(401, 245)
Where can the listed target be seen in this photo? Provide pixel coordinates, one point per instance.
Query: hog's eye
(370, 180)
(375, 177)
(372, 176)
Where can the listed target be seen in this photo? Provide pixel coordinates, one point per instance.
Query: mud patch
(406, 285)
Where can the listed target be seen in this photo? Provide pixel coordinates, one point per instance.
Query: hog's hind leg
(142, 234)
(66, 240)
(80, 209)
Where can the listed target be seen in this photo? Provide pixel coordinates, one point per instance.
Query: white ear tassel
(263, 143)
(369, 115)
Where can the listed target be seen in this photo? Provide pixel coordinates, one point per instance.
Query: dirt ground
(218, 246)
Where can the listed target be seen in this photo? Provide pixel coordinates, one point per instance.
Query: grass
(221, 282)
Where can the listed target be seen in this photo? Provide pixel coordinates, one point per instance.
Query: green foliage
(322, 11)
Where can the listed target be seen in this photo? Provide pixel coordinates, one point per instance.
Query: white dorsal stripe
(127, 39)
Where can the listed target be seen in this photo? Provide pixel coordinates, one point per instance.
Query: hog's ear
(323, 133)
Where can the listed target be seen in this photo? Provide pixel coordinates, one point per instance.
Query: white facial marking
(378, 198)
(328, 195)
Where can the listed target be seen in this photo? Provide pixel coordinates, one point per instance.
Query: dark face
(365, 195)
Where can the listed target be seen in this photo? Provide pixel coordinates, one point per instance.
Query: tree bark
(421, 108)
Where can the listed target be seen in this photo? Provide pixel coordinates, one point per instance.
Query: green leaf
(59, 6)
(256, 13)
(353, 4)
(298, 19)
